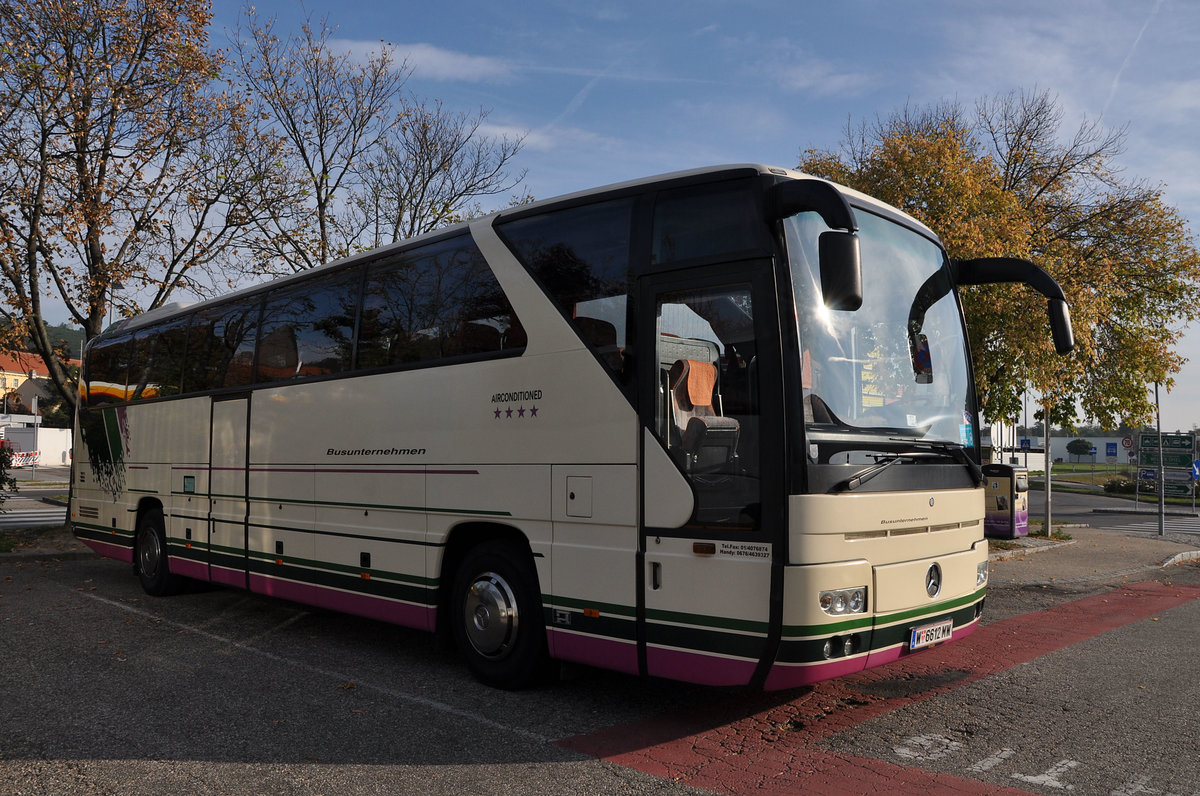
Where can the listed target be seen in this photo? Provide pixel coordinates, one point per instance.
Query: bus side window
(222, 339)
(108, 366)
(308, 327)
(707, 416)
(435, 302)
(166, 366)
(581, 257)
(691, 224)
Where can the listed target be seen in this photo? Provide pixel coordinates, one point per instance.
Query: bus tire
(150, 555)
(496, 617)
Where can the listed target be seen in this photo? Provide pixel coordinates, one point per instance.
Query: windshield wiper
(952, 449)
(865, 475)
(931, 450)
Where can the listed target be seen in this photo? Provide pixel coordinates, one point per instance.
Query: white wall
(54, 444)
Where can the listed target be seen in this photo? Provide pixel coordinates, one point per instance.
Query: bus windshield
(889, 382)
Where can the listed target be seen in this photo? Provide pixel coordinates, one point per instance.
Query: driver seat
(708, 440)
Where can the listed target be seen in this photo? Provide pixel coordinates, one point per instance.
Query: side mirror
(1060, 325)
(841, 270)
(993, 270)
(841, 263)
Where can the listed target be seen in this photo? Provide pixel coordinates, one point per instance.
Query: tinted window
(692, 224)
(156, 362)
(581, 257)
(221, 347)
(108, 367)
(308, 328)
(166, 368)
(431, 303)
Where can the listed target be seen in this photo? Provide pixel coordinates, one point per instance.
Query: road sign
(1170, 458)
(1127, 442)
(1196, 470)
(1146, 474)
(1184, 442)
(1026, 443)
(1177, 490)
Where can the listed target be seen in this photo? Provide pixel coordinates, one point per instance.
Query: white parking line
(342, 677)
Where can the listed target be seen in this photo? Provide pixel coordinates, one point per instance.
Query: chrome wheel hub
(490, 615)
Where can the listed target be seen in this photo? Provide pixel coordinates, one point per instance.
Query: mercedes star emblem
(933, 580)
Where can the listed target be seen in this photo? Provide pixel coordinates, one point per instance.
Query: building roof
(22, 362)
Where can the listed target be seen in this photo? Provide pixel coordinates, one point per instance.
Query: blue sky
(608, 90)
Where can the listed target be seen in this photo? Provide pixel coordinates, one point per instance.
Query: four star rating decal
(520, 412)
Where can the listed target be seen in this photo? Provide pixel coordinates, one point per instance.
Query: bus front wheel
(150, 552)
(497, 617)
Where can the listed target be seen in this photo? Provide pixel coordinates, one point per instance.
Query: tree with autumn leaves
(137, 162)
(119, 158)
(1005, 180)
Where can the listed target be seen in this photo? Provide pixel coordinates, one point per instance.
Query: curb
(1004, 555)
(1179, 558)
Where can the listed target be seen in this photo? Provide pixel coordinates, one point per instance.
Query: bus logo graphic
(933, 580)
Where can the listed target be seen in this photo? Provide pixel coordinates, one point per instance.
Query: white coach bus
(718, 426)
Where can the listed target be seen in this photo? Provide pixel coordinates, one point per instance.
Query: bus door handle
(655, 575)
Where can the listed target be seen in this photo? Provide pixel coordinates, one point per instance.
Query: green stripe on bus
(557, 601)
(879, 620)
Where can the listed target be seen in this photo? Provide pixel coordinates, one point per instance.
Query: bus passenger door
(228, 506)
(711, 406)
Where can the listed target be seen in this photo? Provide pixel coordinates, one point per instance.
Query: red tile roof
(22, 362)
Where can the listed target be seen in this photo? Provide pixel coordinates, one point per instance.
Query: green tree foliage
(8, 484)
(120, 158)
(1006, 181)
(1079, 448)
(136, 162)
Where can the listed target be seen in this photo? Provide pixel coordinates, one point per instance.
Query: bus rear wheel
(150, 553)
(496, 616)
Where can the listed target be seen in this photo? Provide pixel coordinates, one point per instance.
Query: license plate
(928, 635)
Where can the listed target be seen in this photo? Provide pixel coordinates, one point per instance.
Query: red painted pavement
(768, 743)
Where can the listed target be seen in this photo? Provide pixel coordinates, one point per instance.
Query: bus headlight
(839, 602)
(981, 573)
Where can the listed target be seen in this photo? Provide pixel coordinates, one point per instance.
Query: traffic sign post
(1195, 478)
(1168, 460)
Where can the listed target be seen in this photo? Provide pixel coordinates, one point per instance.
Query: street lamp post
(1049, 465)
(1162, 468)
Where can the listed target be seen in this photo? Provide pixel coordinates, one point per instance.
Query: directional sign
(1170, 458)
(1177, 490)
(1196, 470)
(1169, 441)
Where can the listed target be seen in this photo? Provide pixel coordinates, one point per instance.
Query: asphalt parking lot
(1081, 679)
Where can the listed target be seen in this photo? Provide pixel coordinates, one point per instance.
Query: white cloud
(430, 62)
(435, 63)
(821, 78)
(795, 69)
